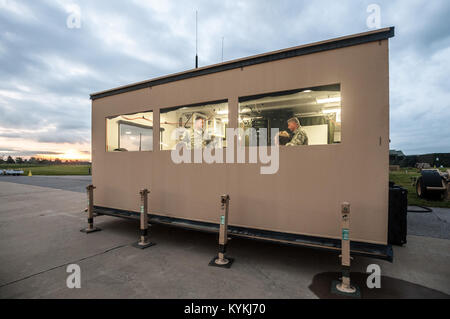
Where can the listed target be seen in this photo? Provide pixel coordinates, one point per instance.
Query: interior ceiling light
(222, 112)
(329, 100)
(331, 111)
(306, 91)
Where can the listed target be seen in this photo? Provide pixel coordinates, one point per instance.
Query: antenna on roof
(222, 47)
(196, 40)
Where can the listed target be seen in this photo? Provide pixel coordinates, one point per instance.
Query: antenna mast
(222, 47)
(196, 40)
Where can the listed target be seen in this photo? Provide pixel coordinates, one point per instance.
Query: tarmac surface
(40, 219)
(68, 183)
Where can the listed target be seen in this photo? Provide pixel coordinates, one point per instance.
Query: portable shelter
(339, 91)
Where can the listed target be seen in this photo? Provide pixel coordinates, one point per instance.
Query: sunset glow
(27, 148)
(69, 155)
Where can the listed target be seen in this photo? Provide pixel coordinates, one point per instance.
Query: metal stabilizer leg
(344, 286)
(143, 240)
(90, 211)
(221, 260)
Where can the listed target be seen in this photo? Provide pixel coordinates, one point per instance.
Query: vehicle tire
(420, 189)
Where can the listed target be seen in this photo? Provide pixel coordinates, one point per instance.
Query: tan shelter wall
(304, 197)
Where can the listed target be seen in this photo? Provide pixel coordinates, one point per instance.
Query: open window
(197, 126)
(317, 109)
(130, 133)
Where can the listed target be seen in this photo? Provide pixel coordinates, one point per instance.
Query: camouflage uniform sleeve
(192, 143)
(197, 140)
(305, 138)
(299, 138)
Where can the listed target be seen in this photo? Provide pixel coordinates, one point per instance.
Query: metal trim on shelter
(383, 252)
(269, 57)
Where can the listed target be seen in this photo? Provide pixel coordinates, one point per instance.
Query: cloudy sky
(48, 70)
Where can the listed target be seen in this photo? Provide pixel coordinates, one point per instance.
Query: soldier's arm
(294, 141)
(304, 139)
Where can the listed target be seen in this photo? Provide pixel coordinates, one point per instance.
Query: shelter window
(130, 133)
(317, 109)
(196, 126)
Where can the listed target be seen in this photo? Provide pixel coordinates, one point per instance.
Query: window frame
(109, 117)
(167, 109)
(317, 88)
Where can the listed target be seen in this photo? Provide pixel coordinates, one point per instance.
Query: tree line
(36, 160)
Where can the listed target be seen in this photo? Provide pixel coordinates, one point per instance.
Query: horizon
(56, 53)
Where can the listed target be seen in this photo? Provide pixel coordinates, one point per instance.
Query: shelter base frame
(383, 252)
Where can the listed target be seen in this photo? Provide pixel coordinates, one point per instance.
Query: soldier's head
(293, 124)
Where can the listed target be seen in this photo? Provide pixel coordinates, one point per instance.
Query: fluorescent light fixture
(306, 91)
(222, 112)
(329, 100)
(128, 132)
(328, 111)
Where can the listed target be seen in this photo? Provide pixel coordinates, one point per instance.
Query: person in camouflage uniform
(300, 137)
(197, 138)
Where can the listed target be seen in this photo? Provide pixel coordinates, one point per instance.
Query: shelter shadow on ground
(391, 288)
